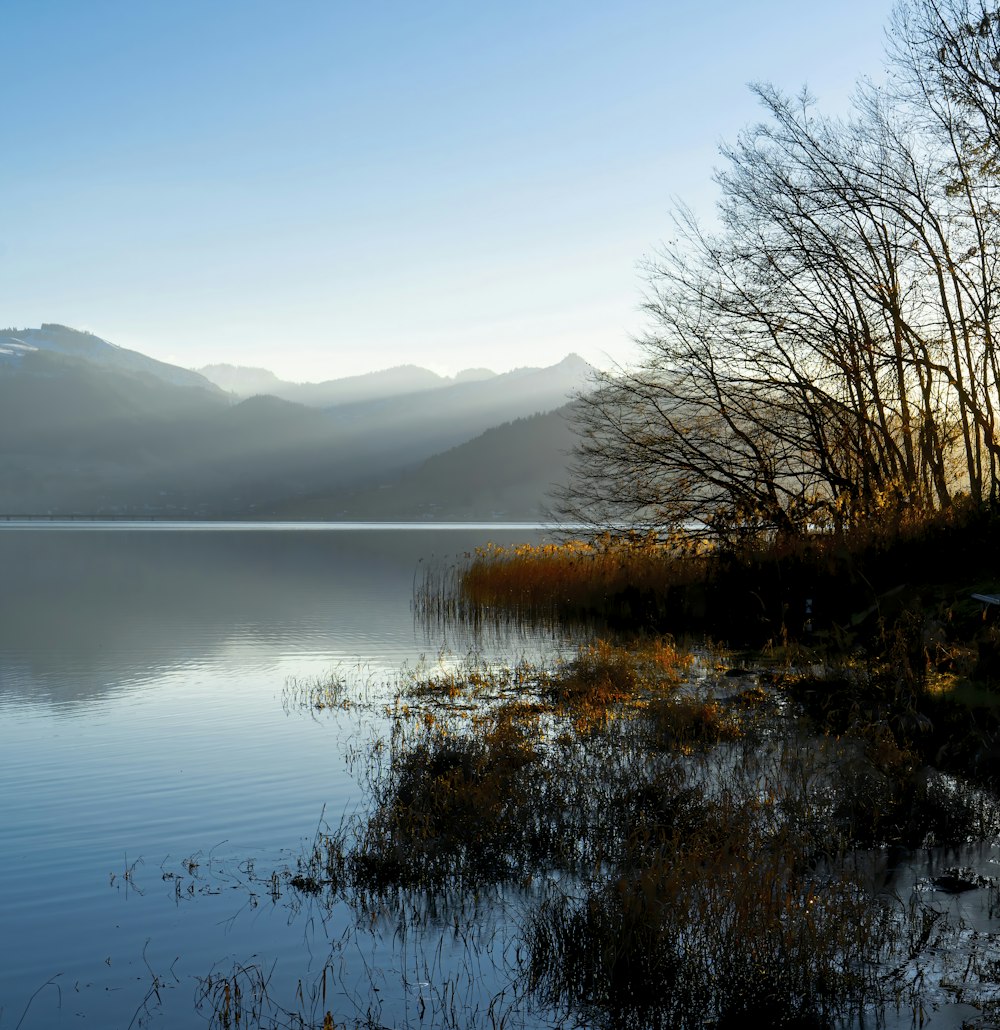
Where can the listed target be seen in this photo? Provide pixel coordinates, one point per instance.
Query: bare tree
(829, 352)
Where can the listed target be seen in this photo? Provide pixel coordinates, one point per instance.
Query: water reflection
(141, 674)
(84, 613)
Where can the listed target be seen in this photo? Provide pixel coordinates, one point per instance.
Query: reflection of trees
(828, 352)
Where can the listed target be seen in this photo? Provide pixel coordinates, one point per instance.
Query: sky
(328, 187)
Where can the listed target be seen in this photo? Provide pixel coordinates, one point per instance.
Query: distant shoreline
(159, 522)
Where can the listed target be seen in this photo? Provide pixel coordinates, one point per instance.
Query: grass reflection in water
(624, 840)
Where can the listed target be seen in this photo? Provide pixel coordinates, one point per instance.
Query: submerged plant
(451, 805)
(681, 943)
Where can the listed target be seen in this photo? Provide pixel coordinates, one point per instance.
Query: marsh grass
(239, 998)
(827, 587)
(626, 837)
(500, 774)
(450, 806)
(692, 855)
(686, 723)
(676, 858)
(318, 693)
(576, 571)
(679, 944)
(890, 691)
(574, 581)
(743, 893)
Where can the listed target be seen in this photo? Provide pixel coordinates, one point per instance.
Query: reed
(681, 943)
(573, 580)
(450, 807)
(752, 589)
(681, 859)
(577, 572)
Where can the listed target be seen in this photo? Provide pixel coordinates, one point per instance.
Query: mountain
(244, 381)
(390, 382)
(73, 430)
(472, 375)
(72, 343)
(90, 428)
(414, 426)
(507, 472)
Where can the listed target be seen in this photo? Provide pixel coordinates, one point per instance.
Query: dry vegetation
(679, 856)
(765, 588)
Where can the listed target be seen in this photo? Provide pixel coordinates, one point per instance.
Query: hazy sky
(324, 187)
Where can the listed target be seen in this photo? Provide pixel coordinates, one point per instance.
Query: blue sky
(325, 188)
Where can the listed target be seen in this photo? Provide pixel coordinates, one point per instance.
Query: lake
(158, 767)
(154, 771)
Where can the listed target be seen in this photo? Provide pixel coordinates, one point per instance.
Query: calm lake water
(150, 763)
(155, 769)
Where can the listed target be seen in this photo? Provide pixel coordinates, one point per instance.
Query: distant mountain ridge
(247, 381)
(73, 343)
(458, 412)
(507, 472)
(90, 428)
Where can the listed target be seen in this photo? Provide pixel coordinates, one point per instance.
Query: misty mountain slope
(457, 413)
(389, 382)
(85, 432)
(473, 375)
(372, 386)
(244, 380)
(74, 435)
(257, 450)
(70, 429)
(379, 439)
(72, 343)
(506, 472)
(51, 400)
(510, 466)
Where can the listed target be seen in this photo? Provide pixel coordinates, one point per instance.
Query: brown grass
(658, 835)
(751, 588)
(575, 575)
(449, 805)
(604, 678)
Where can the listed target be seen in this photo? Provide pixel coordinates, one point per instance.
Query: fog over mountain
(90, 428)
(506, 472)
(390, 382)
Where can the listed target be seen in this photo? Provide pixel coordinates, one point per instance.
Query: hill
(56, 339)
(90, 428)
(506, 472)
